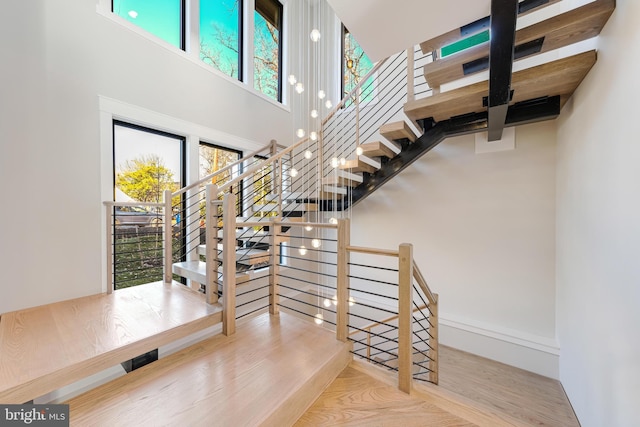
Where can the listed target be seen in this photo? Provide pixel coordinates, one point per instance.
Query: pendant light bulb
(300, 133)
(319, 319)
(315, 35)
(314, 137)
(328, 104)
(359, 151)
(333, 221)
(343, 161)
(321, 94)
(308, 154)
(326, 302)
(352, 301)
(299, 87)
(308, 228)
(316, 243)
(293, 172)
(303, 250)
(314, 114)
(292, 80)
(334, 162)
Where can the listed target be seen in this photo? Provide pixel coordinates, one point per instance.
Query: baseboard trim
(535, 354)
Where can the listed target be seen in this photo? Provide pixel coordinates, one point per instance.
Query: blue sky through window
(219, 30)
(159, 17)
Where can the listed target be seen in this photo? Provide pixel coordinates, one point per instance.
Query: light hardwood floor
(472, 391)
(47, 347)
(267, 374)
(531, 398)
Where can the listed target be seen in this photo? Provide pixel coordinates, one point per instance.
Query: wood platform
(268, 373)
(45, 348)
(560, 77)
(562, 30)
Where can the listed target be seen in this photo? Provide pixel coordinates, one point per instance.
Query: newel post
(342, 286)
(405, 301)
(229, 264)
(167, 229)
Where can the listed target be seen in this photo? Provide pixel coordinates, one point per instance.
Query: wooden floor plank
(357, 399)
(45, 348)
(528, 397)
(223, 381)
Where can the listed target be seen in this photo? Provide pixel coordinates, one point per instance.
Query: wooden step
(562, 30)
(45, 348)
(398, 131)
(197, 271)
(361, 164)
(343, 178)
(453, 36)
(334, 190)
(380, 149)
(560, 77)
(248, 256)
(267, 373)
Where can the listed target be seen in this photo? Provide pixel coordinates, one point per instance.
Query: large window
(162, 18)
(267, 56)
(146, 163)
(220, 35)
(355, 66)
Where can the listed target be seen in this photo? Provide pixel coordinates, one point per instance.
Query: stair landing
(267, 374)
(45, 348)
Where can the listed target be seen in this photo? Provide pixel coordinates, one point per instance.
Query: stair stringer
(519, 114)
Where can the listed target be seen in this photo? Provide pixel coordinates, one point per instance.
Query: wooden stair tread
(343, 178)
(560, 77)
(197, 271)
(284, 365)
(361, 164)
(397, 131)
(562, 30)
(453, 36)
(45, 348)
(378, 149)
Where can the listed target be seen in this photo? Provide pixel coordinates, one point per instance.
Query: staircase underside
(531, 95)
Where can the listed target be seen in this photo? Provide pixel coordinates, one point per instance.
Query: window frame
(182, 22)
(280, 8)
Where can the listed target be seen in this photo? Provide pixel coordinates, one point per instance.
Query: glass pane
(464, 44)
(146, 163)
(266, 63)
(219, 35)
(162, 18)
(356, 65)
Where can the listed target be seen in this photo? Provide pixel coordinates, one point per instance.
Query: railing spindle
(211, 224)
(168, 232)
(342, 281)
(110, 230)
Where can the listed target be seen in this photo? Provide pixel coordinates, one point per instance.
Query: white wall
(483, 230)
(598, 232)
(57, 59)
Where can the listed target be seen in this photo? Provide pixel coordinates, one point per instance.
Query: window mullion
(248, 42)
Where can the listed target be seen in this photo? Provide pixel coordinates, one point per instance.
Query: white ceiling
(385, 27)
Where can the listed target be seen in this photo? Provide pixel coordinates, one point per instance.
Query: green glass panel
(463, 44)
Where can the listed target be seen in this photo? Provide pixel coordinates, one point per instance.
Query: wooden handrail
(219, 171)
(373, 251)
(417, 274)
(348, 96)
(382, 322)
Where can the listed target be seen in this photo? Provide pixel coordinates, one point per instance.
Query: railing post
(213, 263)
(405, 321)
(342, 286)
(167, 229)
(411, 74)
(229, 264)
(433, 341)
(110, 237)
(274, 268)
